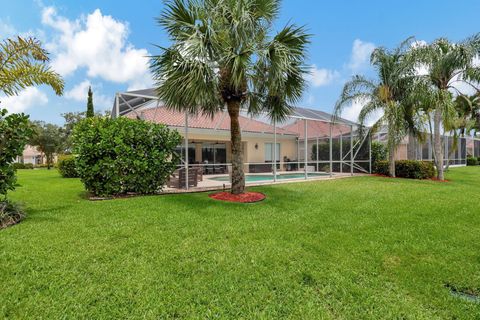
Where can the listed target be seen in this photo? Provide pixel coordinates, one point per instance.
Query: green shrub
(380, 167)
(379, 152)
(18, 165)
(28, 165)
(66, 167)
(471, 161)
(118, 156)
(10, 214)
(41, 165)
(15, 131)
(412, 169)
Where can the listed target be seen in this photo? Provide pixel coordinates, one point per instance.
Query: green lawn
(364, 247)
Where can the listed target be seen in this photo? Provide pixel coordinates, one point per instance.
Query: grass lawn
(364, 247)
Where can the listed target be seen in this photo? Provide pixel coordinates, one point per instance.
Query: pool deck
(211, 185)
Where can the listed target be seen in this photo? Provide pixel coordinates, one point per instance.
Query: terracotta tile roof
(220, 121)
(317, 129)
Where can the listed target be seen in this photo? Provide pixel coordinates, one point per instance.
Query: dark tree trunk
(437, 119)
(238, 176)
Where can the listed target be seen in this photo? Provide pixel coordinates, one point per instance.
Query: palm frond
(23, 63)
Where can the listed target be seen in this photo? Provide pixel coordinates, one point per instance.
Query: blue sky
(104, 43)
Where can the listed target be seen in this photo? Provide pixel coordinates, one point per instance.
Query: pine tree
(90, 111)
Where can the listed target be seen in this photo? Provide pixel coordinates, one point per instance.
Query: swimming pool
(269, 177)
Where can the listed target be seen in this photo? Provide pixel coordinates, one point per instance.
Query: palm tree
(24, 63)
(223, 57)
(448, 65)
(385, 95)
(468, 112)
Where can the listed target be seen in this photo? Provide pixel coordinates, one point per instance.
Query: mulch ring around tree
(246, 197)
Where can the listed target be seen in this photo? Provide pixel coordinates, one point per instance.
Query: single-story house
(31, 155)
(209, 137)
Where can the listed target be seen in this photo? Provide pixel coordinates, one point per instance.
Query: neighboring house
(456, 150)
(209, 137)
(33, 156)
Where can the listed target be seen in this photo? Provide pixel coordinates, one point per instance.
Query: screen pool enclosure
(306, 145)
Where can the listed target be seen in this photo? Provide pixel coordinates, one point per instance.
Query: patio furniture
(199, 171)
(178, 180)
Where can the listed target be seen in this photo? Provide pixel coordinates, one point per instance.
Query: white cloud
(351, 112)
(321, 77)
(360, 57)
(6, 30)
(98, 43)
(80, 92)
(30, 97)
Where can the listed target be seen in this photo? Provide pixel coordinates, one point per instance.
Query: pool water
(269, 177)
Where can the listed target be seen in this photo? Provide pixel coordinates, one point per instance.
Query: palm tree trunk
(238, 176)
(391, 161)
(437, 119)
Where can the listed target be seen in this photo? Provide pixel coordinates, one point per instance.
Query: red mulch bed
(246, 197)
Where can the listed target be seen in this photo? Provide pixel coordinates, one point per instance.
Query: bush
(10, 214)
(118, 156)
(18, 165)
(14, 134)
(41, 166)
(66, 167)
(379, 152)
(412, 169)
(471, 161)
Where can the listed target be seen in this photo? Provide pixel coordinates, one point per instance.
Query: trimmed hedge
(411, 169)
(119, 156)
(472, 161)
(67, 168)
(19, 165)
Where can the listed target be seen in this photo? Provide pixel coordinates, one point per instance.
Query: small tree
(49, 139)
(90, 110)
(14, 134)
(117, 156)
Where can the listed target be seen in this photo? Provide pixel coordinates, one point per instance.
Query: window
(214, 153)
(191, 152)
(269, 149)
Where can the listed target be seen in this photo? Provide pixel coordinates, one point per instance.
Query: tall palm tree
(222, 56)
(448, 65)
(24, 63)
(468, 113)
(386, 95)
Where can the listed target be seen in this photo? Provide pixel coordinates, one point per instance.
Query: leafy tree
(448, 64)
(49, 139)
(71, 120)
(222, 56)
(90, 111)
(121, 155)
(388, 94)
(14, 134)
(24, 63)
